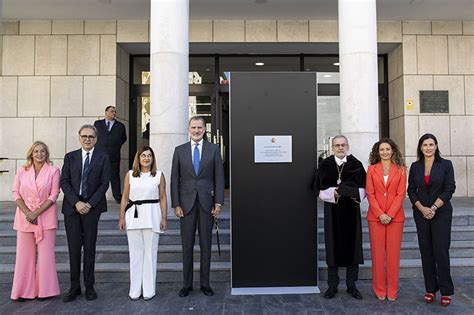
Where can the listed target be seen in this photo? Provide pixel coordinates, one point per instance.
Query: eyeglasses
(343, 145)
(85, 137)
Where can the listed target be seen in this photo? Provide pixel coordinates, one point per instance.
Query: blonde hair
(29, 154)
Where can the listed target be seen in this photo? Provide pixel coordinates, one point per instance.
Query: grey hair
(88, 126)
(339, 137)
(197, 118)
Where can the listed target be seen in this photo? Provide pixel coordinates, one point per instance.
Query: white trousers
(143, 248)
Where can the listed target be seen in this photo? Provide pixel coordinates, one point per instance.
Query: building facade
(56, 75)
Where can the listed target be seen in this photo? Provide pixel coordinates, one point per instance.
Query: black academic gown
(342, 221)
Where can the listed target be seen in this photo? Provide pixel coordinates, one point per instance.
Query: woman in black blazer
(430, 187)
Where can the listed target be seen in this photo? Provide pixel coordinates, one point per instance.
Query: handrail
(3, 171)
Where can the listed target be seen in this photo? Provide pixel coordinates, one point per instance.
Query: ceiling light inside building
(327, 76)
(336, 64)
(259, 64)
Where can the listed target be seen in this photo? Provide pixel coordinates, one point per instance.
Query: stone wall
(56, 76)
(302, 31)
(435, 55)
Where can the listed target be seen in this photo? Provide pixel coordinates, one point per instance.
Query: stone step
(172, 272)
(117, 237)
(173, 253)
(120, 253)
(411, 250)
(108, 221)
(172, 236)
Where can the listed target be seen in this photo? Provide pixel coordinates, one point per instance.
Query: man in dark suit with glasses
(84, 182)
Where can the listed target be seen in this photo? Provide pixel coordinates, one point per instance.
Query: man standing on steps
(197, 195)
(340, 183)
(84, 182)
(111, 137)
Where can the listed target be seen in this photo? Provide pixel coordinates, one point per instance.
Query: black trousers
(204, 221)
(115, 180)
(81, 231)
(352, 275)
(434, 240)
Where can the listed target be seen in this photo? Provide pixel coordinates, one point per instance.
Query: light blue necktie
(196, 158)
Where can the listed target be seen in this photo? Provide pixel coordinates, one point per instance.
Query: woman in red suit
(385, 187)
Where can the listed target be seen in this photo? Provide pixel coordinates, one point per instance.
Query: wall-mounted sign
(273, 149)
(434, 102)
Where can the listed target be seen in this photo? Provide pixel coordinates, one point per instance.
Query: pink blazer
(34, 192)
(386, 198)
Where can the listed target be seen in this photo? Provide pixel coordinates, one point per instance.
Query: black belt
(139, 202)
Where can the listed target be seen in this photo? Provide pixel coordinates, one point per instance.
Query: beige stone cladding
(434, 56)
(56, 76)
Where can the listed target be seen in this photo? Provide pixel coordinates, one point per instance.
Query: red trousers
(385, 243)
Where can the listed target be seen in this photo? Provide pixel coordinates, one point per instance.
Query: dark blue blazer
(111, 141)
(208, 185)
(441, 185)
(97, 181)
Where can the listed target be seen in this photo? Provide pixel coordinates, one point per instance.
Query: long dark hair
(397, 157)
(136, 162)
(419, 153)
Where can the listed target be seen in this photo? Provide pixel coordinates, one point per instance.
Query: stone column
(169, 66)
(358, 75)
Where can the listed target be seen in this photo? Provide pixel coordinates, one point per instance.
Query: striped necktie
(85, 173)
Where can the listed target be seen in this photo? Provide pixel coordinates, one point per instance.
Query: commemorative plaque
(434, 102)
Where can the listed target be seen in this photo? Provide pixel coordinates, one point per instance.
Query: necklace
(339, 172)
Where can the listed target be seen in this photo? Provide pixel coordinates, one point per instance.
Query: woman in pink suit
(35, 191)
(385, 187)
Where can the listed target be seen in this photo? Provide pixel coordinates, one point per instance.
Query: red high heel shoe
(430, 297)
(445, 300)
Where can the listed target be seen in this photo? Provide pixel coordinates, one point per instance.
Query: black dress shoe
(207, 291)
(91, 294)
(20, 299)
(42, 299)
(185, 291)
(330, 292)
(71, 295)
(354, 292)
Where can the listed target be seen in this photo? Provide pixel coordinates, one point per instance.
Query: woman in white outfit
(143, 215)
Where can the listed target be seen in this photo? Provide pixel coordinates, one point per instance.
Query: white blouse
(149, 215)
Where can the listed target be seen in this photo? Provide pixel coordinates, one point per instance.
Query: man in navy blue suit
(84, 182)
(111, 135)
(197, 195)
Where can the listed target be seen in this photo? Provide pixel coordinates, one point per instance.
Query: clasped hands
(83, 207)
(428, 213)
(385, 219)
(32, 217)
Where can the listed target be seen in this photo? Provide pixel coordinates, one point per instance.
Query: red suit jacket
(386, 198)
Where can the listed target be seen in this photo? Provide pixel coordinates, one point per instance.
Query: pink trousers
(35, 279)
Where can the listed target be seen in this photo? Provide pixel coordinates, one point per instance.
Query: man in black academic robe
(340, 183)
